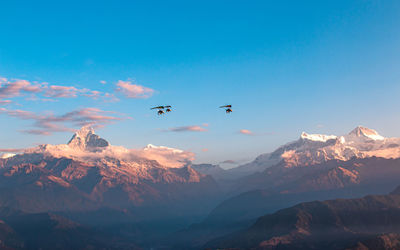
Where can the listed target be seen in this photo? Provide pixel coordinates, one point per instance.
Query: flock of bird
(166, 109)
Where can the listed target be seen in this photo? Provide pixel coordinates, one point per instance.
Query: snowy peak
(85, 138)
(317, 137)
(364, 132)
(86, 146)
(311, 149)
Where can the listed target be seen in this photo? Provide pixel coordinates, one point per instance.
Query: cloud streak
(194, 128)
(246, 132)
(229, 162)
(11, 150)
(56, 91)
(133, 90)
(47, 124)
(5, 102)
(12, 89)
(15, 88)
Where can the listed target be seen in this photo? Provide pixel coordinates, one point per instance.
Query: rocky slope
(332, 224)
(20, 230)
(311, 149)
(279, 187)
(89, 173)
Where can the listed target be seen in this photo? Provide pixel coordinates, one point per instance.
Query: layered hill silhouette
(372, 222)
(19, 230)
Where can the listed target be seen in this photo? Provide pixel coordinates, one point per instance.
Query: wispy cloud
(5, 102)
(16, 88)
(246, 132)
(133, 90)
(56, 91)
(46, 124)
(10, 89)
(229, 162)
(36, 91)
(194, 128)
(11, 150)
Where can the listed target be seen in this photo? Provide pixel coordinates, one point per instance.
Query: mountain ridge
(329, 224)
(311, 149)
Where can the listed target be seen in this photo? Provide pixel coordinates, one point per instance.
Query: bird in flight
(161, 109)
(228, 108)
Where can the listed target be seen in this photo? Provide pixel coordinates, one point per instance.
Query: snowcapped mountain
(86, 146)
(89, 173)
(86, 139)
(312, 149)
(6, 155)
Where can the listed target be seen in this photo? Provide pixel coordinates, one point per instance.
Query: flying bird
(227, 108)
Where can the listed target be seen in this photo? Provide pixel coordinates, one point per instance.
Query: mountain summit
(364, 132)
(85, 138)
(86, 146)
(311, 149)
(89, 172)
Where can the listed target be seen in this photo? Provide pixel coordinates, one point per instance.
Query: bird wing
(168, 106)
(226, 106)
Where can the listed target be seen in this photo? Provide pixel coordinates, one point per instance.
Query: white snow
(363, 132)
(361, 142)
(7, 155)
(317, 137)
(77, 149)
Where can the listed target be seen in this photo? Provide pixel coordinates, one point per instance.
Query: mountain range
(155, 197)
(92, 182)
(311, 149)
(315, 167)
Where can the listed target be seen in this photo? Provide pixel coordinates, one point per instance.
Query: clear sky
(285, 66)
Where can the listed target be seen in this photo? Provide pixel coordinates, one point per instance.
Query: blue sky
(285, 66)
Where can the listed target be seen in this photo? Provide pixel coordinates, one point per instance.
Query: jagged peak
(85, 131)
(86, 137)
(317, 137)
(361, 131)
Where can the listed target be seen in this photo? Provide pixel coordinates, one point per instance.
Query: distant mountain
(360, 176)
(389, 241)
(88, 173)
(279, 187)
(311, 149)
(20, 230)
(371, 221)
(208, 169)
